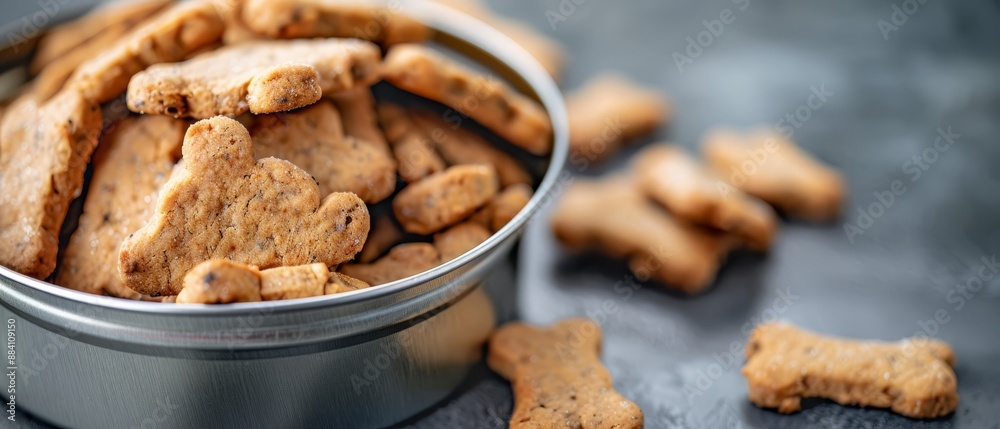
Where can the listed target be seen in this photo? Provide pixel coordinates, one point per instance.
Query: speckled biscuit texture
(131, 164)
(313, 139)
(262, 76)
(444, 198)
(401, 262)
(224, 204)
(44, 150)
(558, 378)
(913, 377)
(487, 100)
(669, 176)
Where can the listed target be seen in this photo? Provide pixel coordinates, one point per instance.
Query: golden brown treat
(429, 74)
(130, 166)
(363, 19)
(415, 155)
(460, 146)
(113, 18)
(461, 238)
(223, 204)
(913, 377)
(339, 283)
(312, 139)
(44, 150)
(219, 281)
(549, 53)
(691, 192)
(608, 112)
(265, 76)
(503, 207)
(170, 36)
(357, 113)
(768, 166)
(384, 234)
(236, 30)
(613, 216)
(401, 262)
(300, 281)
(558, 378)
(444, 198)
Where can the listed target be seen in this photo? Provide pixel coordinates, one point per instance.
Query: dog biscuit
(415, 155)
(170, 36)
(444, 198)
(130, 166)
(357, 113)
(693, 193)
(401, 262)
(503, 207)
(615, 217)
(114, 18)
(301, 281)
(424, 72)
(460, 146)
(384, 234)
(262, 77)
(224, 204)
(770, 167)
(361, 19)
(340, 283)
(558, 378)
(913, 377)
(453, 242)
(44, 150)
(313, 140)
(609, 112)
(219, 281)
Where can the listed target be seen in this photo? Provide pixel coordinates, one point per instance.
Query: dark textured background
(939, 69)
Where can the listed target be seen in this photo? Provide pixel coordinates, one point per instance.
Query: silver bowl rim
(443, 19)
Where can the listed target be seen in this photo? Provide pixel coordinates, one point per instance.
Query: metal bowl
(368, 358)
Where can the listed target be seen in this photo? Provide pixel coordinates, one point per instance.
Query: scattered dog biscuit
(267, 213)
(219, 281)
(170, 36)
(383, 235)
(415, 155)
(460, 146)
(461, 238)
(558, 378)
(262, 77)
(503, 207)
(770, 167)
(913, 377)
(615, 217)
(608, 112)
(44, 150)
(429, 74)
(444, 198)
(691, 192)
(357, 113)
(313, 140)
(401, 262)
(131, 164)
(363, 19)
(301, 281)
(115, 17)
